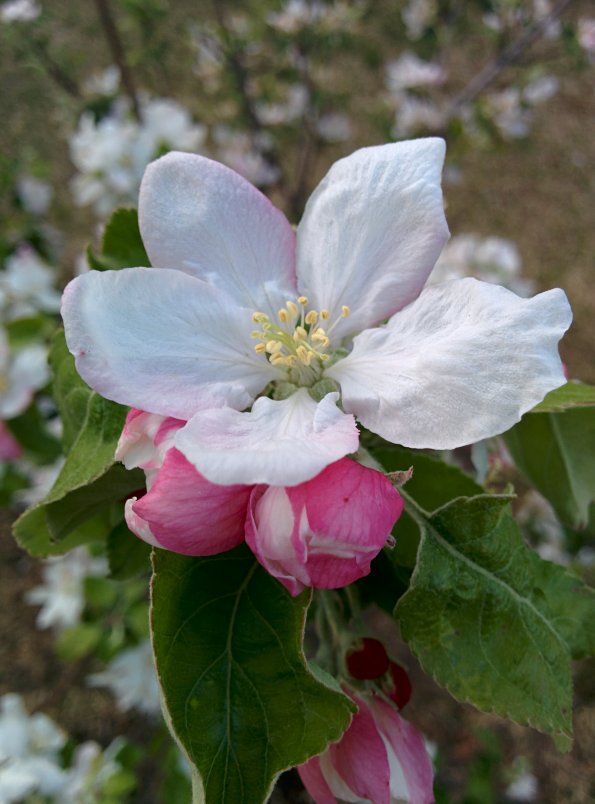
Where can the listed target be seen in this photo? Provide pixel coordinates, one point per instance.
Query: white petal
(162, 341)
(200, 217)
(372, 231)
(278, 443)
(462, 363)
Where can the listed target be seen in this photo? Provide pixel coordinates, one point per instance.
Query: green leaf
(31, 432)
(89, 483)
(78, 641)
(128, 555)
(490, 620)
(122, 245)
(556, 453)
(571, 395)
(33, 535)
(241, 698)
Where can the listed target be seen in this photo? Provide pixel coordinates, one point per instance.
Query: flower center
(299, 341)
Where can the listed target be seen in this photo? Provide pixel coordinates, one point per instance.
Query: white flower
(586, 35)
(106, 82)
(112, 153)
(132, 679)
(62, 596)
(22, 372)
(244, 154)
(540, 89)
(239, 306)
(294, 106)
(334, 127)
(409, 71)
(27, 286)
(524, 788)
(492, 259)
(20, 11)
(29, 747)
(90, 770)
(418, 15)
(35, 195)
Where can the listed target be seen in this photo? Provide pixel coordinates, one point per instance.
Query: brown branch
(115, 44)
(53, 70)
(508, 56)
(235, 64)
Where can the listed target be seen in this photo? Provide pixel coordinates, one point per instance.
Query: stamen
(303, 300)
(325, 314)
(283, 315)
(300, 334)
(273, 347)
(293, 310)
(311, 317)
(260, 348)
(260, 318)
(345, 311)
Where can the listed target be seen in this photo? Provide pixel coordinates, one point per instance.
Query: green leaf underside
(240, 697)
(122, 245)
(491, 621)
(89, 482)
(569, 396)
(556, 452)
(128, 555)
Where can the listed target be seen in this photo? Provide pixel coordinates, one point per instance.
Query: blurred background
(92, 92)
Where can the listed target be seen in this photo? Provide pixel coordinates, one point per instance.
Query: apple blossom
(22, 372)
(321, 533)
(381, 758)
(252, 333)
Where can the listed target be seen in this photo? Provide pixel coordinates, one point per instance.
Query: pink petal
(372, 231)
(315, 783)
(360, 758)
(200, 217)
(279, 443)
(411, 766)
(186, 514)
(325, 532)
(9, 446)
(145, 439)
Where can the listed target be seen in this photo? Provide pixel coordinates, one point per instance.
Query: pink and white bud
(325, 532)
(381, 758)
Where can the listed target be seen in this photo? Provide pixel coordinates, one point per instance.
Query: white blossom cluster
(31, 760)
(492, 259)
(296, 15)
(111, 154)
(19, 11)
(62, 593)
(409, 81)
(132, 680)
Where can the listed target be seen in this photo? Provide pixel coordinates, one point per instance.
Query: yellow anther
(304, 355)
(257, 333)
(292, 307)
(277, 359)
(273, 347)
(283, 315)
(324, 357)
(260, 348)
(319, 334)
(325, 315)
(260, 318)
(345, 311)
(311, 317)
(300, 334)
(303, 300)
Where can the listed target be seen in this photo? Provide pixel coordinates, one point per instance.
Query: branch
(508, 56)
(117, 50)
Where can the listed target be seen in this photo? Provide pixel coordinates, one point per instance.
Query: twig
(53, 69)
(115, 45)
(240, 76)
(508, 56)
